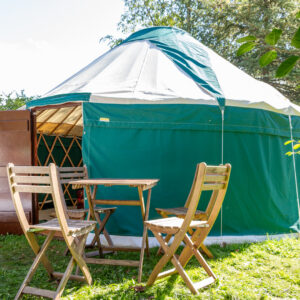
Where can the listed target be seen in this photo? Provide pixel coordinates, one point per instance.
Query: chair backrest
(207, 178)
(66, 174)
(37, 180)
(71, 173)
(216, 180)
(27, 179)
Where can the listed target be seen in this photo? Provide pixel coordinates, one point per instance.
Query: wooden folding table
(141, 185)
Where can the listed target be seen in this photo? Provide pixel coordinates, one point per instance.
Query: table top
(115, 181)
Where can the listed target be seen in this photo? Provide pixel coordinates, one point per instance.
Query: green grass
(267, 270)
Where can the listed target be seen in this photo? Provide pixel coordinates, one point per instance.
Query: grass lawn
(267, 270)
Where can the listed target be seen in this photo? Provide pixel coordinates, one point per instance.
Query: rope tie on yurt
(222, 161)
(294, 165)
(222, 146)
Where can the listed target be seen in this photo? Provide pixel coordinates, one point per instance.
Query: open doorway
(58, 139)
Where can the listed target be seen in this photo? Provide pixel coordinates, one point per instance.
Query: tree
(219, 23)
(271, 41)
(13, 100)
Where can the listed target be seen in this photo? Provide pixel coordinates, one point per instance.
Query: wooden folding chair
(73, 173)
(207, 178)
(45, 180)
(180, 212)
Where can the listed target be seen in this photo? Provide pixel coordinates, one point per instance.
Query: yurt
(159, 103)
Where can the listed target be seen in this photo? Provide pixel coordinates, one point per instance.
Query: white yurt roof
(162, 65)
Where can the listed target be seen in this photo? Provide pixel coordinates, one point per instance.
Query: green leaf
(289, 153)
(267, 58)
(298, 14)
(298, 87)
(296, 39)
(288, 142)
(297, 146)
(286, 66)
(246, 47)
(273, 37)
(248, 38)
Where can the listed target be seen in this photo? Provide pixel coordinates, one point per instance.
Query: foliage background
(13, 100)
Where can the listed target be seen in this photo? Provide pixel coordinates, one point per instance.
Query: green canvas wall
(166, 141)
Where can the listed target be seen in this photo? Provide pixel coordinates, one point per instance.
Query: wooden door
(16, 146)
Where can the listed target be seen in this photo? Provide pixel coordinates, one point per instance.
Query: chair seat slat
(180, 211)
(174, 223)
(75, 226)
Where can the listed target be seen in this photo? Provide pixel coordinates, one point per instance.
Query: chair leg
(77, 255)
(184, 275)
(167, 239)
(176, 263)
(65, 279)
(199, 257)
(108, 238)
(35, 263)
(97, 240)
(194, 287)
(76, 252)
(163, 261)
(84, 257)
(203, 247)
(206, 251)
(197, 239)
(106, 234)
(83, 218)
(102, 224)
(31, 238)
(66, 251)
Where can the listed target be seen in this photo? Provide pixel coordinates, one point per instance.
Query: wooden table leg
(146, 219)
(93, 217)
(145, 237)
(142, 204)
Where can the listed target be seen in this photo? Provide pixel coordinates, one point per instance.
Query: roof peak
(185, 52)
